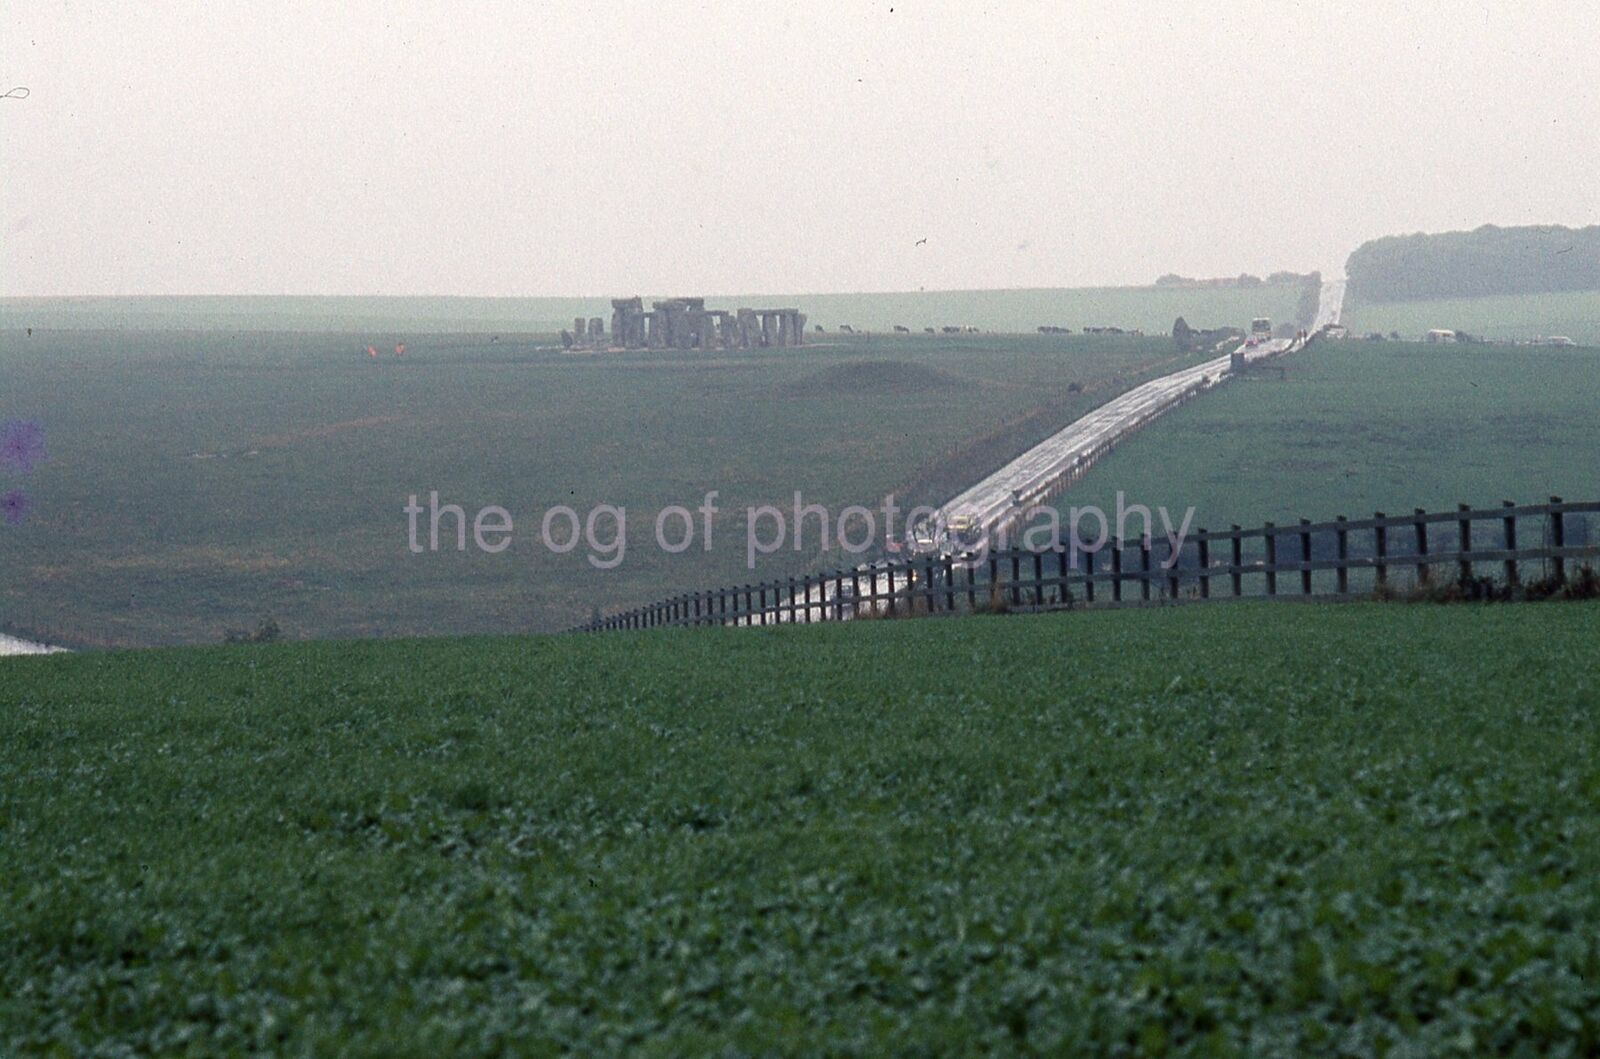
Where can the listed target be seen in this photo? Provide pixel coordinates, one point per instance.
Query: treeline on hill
(1490, 260)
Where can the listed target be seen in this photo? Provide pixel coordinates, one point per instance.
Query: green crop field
(1357, 427)
(1242, 829)
(1151, 309)
(1520, 317)
(201, 481)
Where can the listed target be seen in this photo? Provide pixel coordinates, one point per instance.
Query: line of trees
(1486, 261)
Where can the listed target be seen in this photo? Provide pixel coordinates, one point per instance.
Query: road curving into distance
(1006, 495)
(1024, 481)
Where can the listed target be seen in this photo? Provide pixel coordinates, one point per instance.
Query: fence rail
(1361, 555)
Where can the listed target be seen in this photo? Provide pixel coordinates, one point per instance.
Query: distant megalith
(1182, 335)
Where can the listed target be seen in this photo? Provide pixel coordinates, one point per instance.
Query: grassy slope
(1150, 308)
(1359, 427)
(1575, 314)
(134, 542)
(1242, 829)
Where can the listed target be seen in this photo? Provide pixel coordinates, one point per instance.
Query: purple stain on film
(21, 444)
(14, 506)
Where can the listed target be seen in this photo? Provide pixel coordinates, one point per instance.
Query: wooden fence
(1344, 558)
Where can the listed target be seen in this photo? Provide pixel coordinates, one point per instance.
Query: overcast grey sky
(405, 148)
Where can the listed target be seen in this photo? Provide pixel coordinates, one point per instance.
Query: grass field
(200, 481)
(1575, 314)
(1358, 427)
(1243, 829)
(1151, 309)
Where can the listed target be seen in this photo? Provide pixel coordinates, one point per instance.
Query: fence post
(1088, 576)
(972, 586)
(1038, 579)
(889, 574)
(855, 591)
(1175, 570)
(793, 614)
(1558, 539)
(1422, 547)
(1202, 547)
(1343, 549)
(1380, 547)
(1016, 578)
(762, 588)
(1144, 566)
(1116, 572)
(1238, 561)
(1062, 594)
(749, 604)
(949, 585)
(1466, 544)
(994, 577)
(1305, 557)
(1272, 558)
(1511, 543)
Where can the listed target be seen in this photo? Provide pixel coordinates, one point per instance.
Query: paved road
(1026, 479)
(1329, 305)
(995, 499)
(1010, 491)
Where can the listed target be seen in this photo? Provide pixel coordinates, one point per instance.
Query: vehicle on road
(923, 537)
(963, 534)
